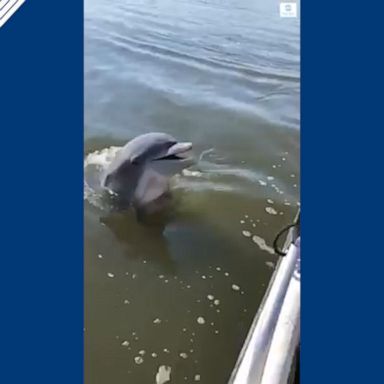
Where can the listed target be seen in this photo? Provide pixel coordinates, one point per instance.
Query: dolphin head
(159, 151)
(142, 168)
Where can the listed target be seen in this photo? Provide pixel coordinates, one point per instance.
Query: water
(177, 297)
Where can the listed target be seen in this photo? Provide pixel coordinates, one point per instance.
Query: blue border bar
(41, 119)
(342, 208)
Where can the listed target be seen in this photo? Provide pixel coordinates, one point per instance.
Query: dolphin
(141, 170)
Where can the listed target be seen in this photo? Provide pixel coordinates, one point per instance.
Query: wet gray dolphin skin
(140, 172)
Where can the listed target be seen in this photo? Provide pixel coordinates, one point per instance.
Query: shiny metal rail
(268, 352)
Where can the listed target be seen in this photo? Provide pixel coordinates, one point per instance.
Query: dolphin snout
(179, 148)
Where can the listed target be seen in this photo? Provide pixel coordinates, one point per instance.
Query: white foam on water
(262, 244)
(270, 201)
(201, 320)
(189, 173)
(102, 158)
(125, 343)
(197, 377)
(138, 360)
(210, 297)
(235, 287)
(218, 269)
(126, 301)
(100, 256)
(271, 210)
(183, 355)
(216, 302)
(111, 275)
(95, 164)
(154, 355)
(246, 233)
(163, 374)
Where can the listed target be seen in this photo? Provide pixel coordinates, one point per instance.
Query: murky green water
(224, 75)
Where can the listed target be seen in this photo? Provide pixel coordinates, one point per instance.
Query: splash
(95, 165)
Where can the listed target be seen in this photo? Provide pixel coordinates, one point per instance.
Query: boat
(270, 354)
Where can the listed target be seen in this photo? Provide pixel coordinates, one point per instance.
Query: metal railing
(269, 350)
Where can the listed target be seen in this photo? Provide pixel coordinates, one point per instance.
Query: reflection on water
(174, 297)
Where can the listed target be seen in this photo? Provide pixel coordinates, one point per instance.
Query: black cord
(277, 238)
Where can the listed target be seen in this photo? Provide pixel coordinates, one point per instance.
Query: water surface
(183, 291)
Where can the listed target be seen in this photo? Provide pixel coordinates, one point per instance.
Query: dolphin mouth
(178, 151)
